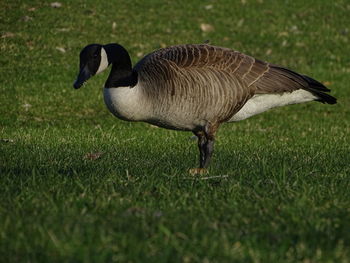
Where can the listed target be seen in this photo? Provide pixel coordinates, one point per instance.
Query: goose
(194, 87)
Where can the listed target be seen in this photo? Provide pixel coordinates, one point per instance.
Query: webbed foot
(195, 171)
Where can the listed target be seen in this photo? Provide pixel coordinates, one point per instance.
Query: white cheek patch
(103, 62)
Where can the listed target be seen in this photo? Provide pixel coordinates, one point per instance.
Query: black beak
(83, 76)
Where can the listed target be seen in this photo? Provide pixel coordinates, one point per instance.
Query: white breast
(126, 103)
(263, 102)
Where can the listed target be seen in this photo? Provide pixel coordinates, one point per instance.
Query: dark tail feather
(309, 84)
(319, 90)
(323, 97)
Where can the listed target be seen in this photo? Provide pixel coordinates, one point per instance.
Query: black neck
(122, 74)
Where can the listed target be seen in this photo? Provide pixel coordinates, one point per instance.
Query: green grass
(282, 191)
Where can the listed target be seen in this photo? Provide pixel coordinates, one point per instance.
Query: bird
(194, 87)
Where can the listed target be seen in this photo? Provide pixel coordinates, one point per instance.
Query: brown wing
(265, 77)
(260, 76)
(223, 68)
(192, 78)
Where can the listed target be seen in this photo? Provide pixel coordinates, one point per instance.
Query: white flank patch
(104, 61)
(263, 102)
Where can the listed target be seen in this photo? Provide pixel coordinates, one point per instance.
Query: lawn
(79, 185)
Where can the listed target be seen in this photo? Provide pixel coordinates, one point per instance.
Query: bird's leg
(208, 148)
(209, 131)
(206, 139)
(202, 141)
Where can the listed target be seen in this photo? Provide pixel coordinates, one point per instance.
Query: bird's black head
(93, 60)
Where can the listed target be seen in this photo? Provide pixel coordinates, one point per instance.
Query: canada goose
(194, 88)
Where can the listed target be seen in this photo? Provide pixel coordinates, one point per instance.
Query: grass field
(78, 185)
